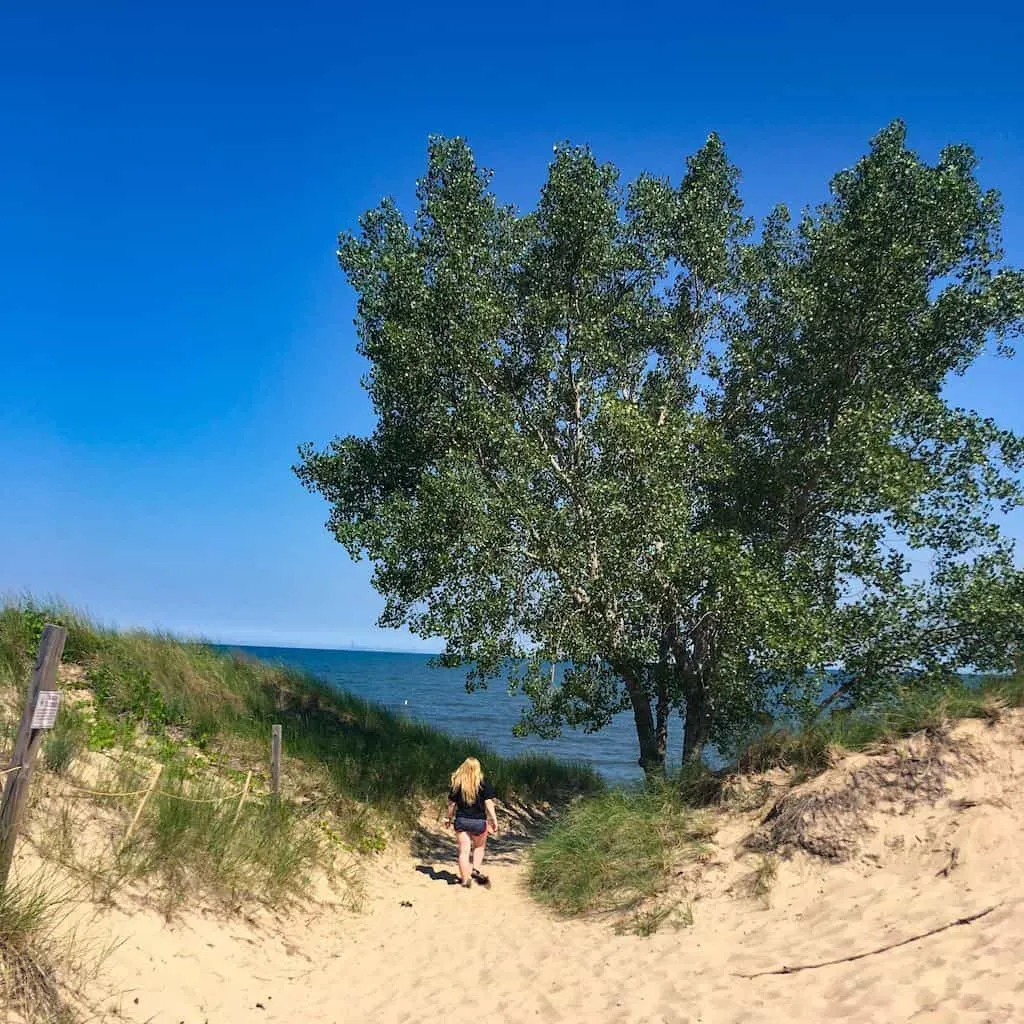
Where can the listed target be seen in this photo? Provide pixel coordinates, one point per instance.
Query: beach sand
(422, 950)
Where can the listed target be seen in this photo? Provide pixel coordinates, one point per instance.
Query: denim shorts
(474, 826)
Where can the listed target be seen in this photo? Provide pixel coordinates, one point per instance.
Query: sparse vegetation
(66, 741)
(762, 878)
(646, 921)
(265, 854)
(811, 749)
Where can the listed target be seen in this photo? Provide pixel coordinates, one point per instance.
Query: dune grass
(140, 680)
(265, 854)
(811, 749)
(29, 953)
(615, 851)
(354, 773)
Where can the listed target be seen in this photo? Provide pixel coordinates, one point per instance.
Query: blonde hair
(467, 778)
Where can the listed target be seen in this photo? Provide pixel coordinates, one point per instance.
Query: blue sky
(173, 178)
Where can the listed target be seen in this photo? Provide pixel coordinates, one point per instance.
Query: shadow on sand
(448, 877)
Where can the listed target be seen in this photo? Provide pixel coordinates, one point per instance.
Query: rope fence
(121, 794)
(147, 793)
(159, 792)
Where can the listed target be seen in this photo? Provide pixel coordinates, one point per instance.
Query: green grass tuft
(263, 856)
(614, 851)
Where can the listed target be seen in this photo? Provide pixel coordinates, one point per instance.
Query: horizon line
(296, 647)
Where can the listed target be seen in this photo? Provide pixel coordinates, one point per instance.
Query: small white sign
(44, 715)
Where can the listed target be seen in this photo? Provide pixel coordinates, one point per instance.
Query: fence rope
(159, 792)
(10, 771)
(99, 792)
(199, 800)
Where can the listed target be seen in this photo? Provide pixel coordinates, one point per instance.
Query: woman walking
(471, 812)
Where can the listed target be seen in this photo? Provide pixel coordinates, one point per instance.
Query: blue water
(408, 685)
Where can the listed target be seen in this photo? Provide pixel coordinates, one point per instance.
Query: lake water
(408, 685)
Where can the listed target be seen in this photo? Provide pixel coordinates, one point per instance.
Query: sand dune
(423, 950)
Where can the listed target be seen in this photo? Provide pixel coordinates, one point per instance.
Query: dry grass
(759, 883)
(30, 953)
(827, 820)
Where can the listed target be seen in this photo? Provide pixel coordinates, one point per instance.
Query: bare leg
(479, 846)
(464, 869)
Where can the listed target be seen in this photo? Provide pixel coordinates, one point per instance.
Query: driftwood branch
(873, 952)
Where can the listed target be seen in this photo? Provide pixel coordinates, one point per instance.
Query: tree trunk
(662, 673)
(697, 725)
(661, 722)
(652, 753)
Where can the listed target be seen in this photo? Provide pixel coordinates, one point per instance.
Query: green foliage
(614, 851)
(21, 627)
(122, 687)
(106, 732)
(623, 433)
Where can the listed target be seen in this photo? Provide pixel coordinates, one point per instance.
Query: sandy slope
(423, 950)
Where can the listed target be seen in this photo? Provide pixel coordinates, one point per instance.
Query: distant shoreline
(326, 650)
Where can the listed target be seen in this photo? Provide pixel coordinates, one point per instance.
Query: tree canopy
(691, 462)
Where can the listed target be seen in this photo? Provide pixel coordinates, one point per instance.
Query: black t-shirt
(476, 809)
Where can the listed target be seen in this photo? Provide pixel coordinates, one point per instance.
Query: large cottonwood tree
(621, 434)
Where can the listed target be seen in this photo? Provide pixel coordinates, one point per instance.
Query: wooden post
(26, 746)
(141, 808)
(275, 762)
(241, 802)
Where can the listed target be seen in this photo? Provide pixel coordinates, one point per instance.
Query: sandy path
(456, 953)
(423, 950)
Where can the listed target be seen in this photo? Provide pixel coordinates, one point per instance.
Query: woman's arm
(451, 812)
(492, 816)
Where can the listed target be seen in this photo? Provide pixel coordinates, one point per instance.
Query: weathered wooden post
(142, 806)
(275, 762)
(41, 703)
(241, 802)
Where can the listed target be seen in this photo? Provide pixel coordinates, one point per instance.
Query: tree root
(874, 952)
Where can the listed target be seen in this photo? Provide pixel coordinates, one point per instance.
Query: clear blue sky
(173, 178)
